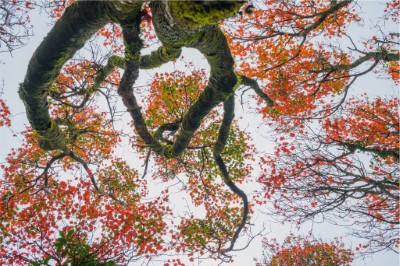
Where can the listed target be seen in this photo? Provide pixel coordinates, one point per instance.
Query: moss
(190, 39)
(238, 82)
(185, 135)
(196, 14)
(159, 57)
(52, 138)
(117, 61)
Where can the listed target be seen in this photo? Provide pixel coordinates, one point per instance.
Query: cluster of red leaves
(4, 114)
(305, 250)
(112, 36)
(26, 4)
(278, 45)
(75, 83)
(57, 7)
(39, 199)
(392, 11)
(148, 34)
(393, 69)
(372, 125)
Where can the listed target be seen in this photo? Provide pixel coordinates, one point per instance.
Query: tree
(67, 194)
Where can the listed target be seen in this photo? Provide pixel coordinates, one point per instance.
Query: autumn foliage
(4, 114)
(309, 166)
(304, 250)
(112, 196)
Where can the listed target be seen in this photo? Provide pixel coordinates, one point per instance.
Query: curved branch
(252, 83)
(113, 62)
(229, 108)
(80, 21)
(161, 56)
(323, 16)
(133, 45)
(382, 152)
(377, 56)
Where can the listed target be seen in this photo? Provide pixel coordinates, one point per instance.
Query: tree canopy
(96, 184)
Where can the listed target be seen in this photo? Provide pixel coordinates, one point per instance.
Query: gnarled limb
(229, 106)
(80, 21)
(70, 33)
(385, 56)
(161, 56)
(133, 45)
(252, 83)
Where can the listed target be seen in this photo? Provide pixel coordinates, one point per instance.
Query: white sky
(12, 71)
